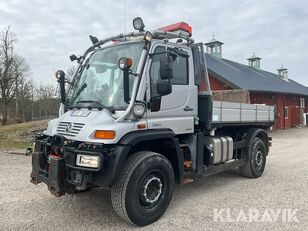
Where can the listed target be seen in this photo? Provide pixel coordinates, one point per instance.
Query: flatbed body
(224, 113)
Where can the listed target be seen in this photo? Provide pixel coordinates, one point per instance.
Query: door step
(214, 169)
(183, 145)
(188, 180)
(187, 164)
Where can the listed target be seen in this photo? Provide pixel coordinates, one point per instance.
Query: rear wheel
(254, 167)
(144, 189)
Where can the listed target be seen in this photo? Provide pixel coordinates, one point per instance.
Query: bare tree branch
(7, 77)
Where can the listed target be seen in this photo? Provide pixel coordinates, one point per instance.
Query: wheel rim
(151, 189)
(259, 160)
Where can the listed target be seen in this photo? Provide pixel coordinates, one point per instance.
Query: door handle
(187, 108)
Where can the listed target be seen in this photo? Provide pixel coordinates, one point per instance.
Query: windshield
(100, 82)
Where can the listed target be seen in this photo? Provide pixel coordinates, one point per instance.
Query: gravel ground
(284, 185)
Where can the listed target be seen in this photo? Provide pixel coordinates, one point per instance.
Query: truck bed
(238, 113)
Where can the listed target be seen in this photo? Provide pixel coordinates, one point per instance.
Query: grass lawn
(18, 136)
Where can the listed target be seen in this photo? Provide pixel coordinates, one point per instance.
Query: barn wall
(272, 100)
(217, 85)
(293, 104)
(281, 101)
(281, 121)
(295, 116)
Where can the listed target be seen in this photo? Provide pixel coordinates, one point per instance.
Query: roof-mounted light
(182, 27)
(148, 36)
(138, 24)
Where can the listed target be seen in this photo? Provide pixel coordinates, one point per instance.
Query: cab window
(180, 70)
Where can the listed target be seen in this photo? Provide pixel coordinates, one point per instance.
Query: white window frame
(302, 102)
(286, 109)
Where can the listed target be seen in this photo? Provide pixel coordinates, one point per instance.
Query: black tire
(144, 189)
(254, 168)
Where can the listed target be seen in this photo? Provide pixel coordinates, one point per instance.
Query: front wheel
(144, 188)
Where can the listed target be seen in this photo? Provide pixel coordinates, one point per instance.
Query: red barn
(289, 97)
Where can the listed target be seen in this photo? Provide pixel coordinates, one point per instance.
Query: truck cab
(138, 117)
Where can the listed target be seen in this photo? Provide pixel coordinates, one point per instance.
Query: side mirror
(73, 57)
(166, 67)
(163, 87)
(93, 39)
(60, 75)
(125, 65)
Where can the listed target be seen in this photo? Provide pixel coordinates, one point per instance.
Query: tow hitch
(54, 177)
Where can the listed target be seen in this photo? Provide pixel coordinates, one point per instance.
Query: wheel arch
(251, 134)
(162, 141)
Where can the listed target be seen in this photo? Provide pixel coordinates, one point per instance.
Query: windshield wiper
(84, 86)
(99, 105)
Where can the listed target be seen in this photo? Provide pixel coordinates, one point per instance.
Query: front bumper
(61, 174)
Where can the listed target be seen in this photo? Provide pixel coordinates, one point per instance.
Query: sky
(49, 31)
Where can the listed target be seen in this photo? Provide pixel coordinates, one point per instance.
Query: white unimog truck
(138, 117)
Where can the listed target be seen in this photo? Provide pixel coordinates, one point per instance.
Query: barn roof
(240, 76)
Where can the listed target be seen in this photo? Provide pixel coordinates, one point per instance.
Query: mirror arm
(159, 53)
(62, 89)
(169, 52)
(126, 86)
(179, 52)
(131, 73)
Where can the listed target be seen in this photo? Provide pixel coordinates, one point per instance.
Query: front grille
(69, 129)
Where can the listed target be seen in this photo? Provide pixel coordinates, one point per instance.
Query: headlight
(139, 110)
(88, 161)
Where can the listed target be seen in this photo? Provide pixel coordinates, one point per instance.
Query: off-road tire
(129, 196)
(253, 168)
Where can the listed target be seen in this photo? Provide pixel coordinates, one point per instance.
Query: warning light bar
(182, 27)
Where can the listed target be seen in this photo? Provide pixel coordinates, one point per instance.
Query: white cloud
(49, 31)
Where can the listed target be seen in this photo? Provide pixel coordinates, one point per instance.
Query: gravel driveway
(284, 185)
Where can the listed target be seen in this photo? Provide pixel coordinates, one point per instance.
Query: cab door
(176, 110)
